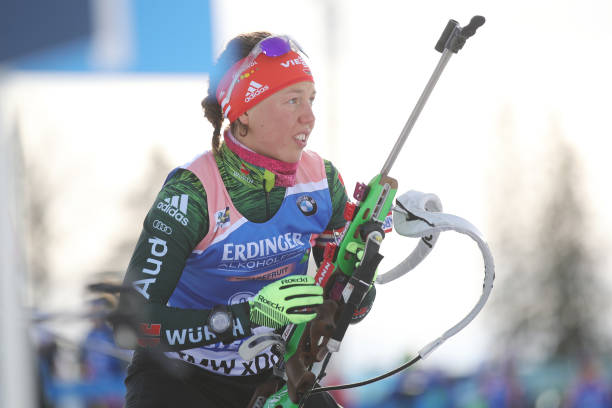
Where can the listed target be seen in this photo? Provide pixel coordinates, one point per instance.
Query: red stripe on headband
(266, 76)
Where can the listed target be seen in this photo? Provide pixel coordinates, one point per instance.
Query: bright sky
(537, 61)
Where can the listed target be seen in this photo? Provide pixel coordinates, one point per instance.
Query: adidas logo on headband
(255, 89)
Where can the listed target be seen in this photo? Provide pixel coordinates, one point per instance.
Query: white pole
(16, 357)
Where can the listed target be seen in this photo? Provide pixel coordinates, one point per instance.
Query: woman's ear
(244, 118)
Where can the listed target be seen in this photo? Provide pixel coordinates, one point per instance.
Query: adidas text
(173, 212)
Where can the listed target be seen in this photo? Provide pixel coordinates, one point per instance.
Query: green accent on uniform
(269, 178)
(245, 185)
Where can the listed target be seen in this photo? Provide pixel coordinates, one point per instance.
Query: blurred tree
(549, 295)
(136, 205)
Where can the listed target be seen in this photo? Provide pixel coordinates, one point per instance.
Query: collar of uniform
(253, 165)
(239, 170)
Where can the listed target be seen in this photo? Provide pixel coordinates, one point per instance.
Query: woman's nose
(307, 115)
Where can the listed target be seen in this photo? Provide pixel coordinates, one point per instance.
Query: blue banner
(157, 36)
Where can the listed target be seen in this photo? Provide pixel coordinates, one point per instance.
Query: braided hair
(235, 50)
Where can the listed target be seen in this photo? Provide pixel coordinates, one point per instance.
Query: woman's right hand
(288, 300)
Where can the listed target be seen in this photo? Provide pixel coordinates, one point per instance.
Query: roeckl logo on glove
(277, 306)
(290, 281)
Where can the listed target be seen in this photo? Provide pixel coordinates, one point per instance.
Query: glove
(288, 300)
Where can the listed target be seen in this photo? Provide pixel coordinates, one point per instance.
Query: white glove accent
(418, 215)
(254, 345)
(416, 228)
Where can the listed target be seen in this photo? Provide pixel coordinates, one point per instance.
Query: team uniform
(218, 232)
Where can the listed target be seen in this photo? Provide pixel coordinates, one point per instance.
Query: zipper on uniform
(267, 204)
(268, 183)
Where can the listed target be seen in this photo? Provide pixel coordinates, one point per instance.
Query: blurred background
(100, 99)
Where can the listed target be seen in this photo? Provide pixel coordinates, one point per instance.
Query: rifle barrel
(416, 111)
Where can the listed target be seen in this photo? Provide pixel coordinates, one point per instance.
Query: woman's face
(279, 125)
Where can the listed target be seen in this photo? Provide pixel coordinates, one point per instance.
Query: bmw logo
(307, 205)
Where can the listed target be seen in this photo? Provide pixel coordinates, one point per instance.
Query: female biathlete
(224, 249)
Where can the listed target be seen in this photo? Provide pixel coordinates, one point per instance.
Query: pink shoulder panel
(221, 213)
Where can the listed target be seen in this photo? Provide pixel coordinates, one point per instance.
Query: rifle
(348, 270)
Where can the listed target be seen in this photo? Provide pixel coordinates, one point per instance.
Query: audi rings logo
(157, 224)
